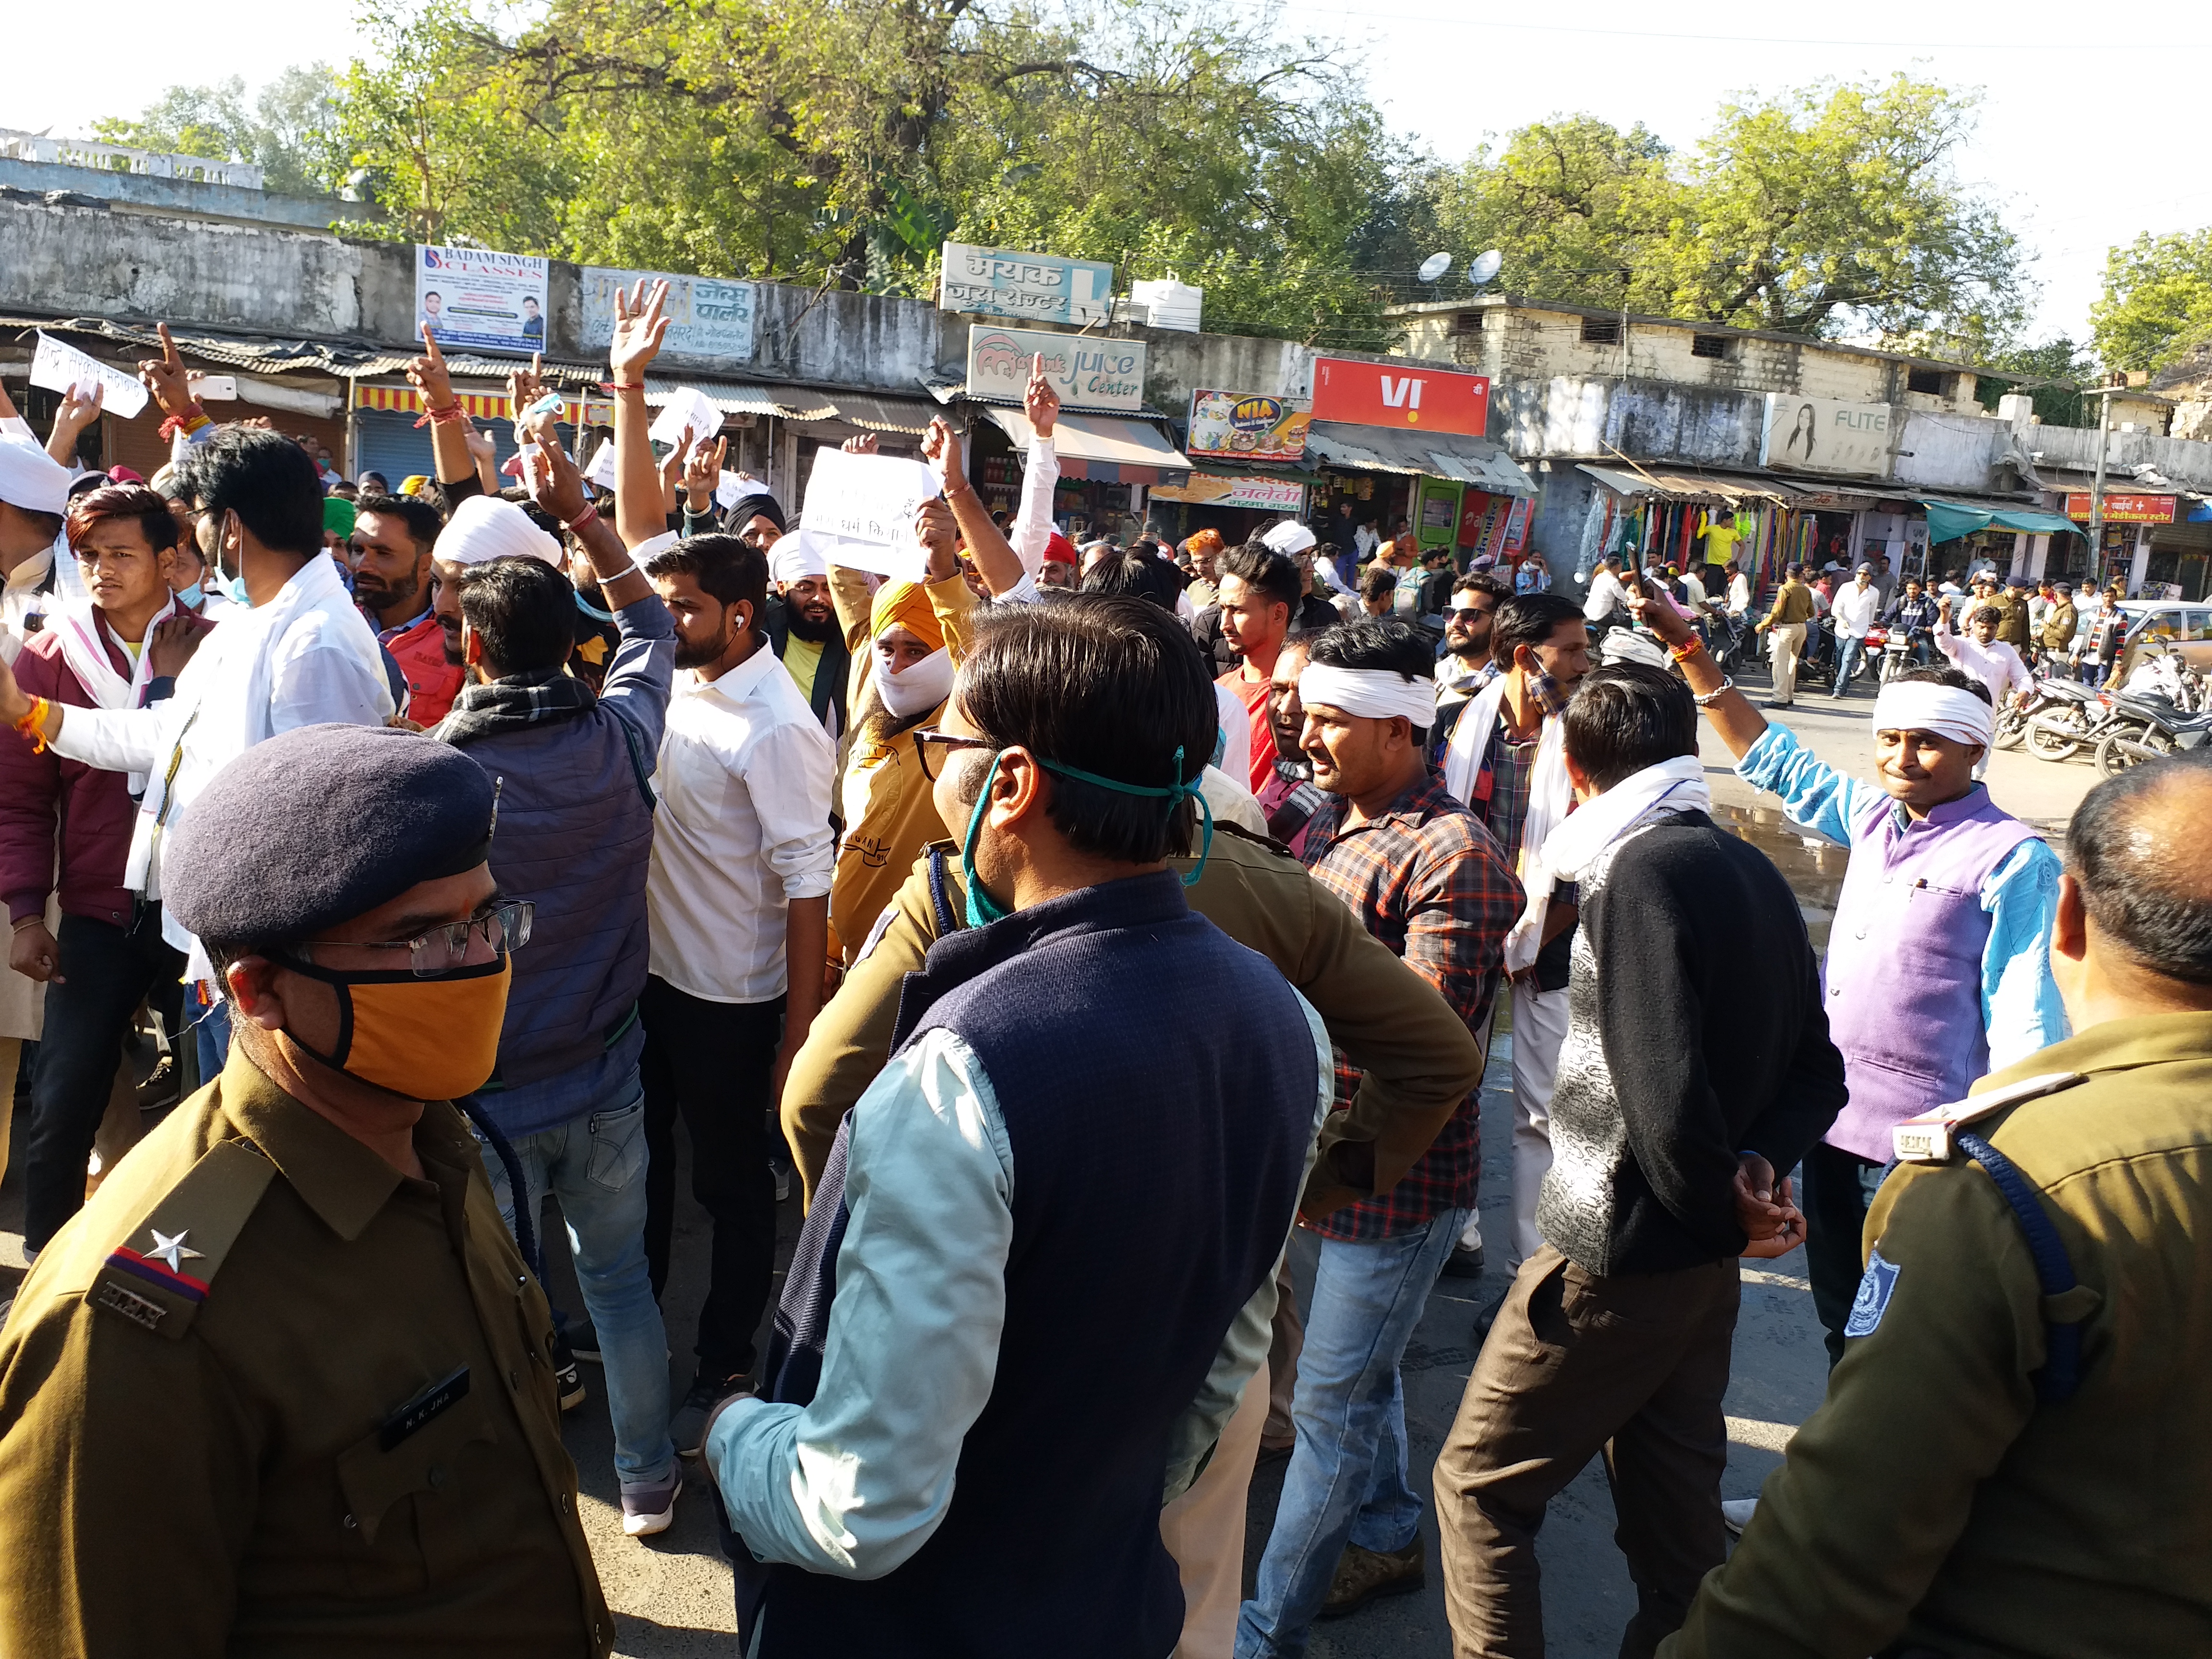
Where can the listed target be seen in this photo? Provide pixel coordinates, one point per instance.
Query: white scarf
(919, 685)
(1675, 785)
(1551, 798)
(79, 628)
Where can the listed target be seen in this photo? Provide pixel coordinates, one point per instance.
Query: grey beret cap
(318, 825)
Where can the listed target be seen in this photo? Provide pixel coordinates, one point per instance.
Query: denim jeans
(1346, 1480)
(1849, 654)
(595, 1164)
(210, 1029)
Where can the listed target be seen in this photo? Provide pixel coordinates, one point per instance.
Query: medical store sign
(1819, 435)
(1405, 395)
(1088, 373)
(2123, 509)
(1035, 287)
(1248, 426)
(481, 300)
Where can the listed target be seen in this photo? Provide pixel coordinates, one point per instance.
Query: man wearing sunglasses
(287, 1372)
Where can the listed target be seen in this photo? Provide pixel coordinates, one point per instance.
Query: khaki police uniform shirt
(1933, 1500)
(221, 1430)
(1417, 1058)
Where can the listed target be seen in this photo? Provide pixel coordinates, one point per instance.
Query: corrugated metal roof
(1696, 486)
(731, 397)
(1477, 461)
(885, 414)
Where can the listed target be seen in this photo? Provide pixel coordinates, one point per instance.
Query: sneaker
(1363, 1574)
(782, 1180)
(583, 1340)
(649, 1506)
(566, 1377)
(1736, 1513)
(688, 1428)
(1464, 1262)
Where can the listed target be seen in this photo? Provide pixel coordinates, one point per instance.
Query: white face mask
(917, 687)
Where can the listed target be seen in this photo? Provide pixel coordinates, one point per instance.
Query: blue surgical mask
(234, 589)
(983, 909)
(190, 598)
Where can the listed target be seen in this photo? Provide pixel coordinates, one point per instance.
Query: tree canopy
(290, 131)
(2157, 300)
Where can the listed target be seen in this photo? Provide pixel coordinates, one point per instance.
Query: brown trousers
(1633, 1366)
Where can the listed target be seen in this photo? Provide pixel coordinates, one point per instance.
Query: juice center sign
(1088, 373)
(1406, 395)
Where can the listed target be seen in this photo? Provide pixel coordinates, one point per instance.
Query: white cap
(794, 559)
(1289, 537)
(30, 478)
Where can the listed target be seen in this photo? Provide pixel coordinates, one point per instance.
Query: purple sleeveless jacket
(1904, 973)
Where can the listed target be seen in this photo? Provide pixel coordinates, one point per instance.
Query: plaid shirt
(1430, 882)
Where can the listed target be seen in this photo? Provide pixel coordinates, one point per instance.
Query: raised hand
(524, 386)
(552, 479)
(1039, 401)
(429, 375)
(703, 473)
(672, 468)
(863, 445)
(77, 412)
(166, 378)
(935, 528)
(640, 327)
(480, 447)
(1652, 605)
(940, 447)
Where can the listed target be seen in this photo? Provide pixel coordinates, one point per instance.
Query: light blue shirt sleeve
(2021, 1009)
(855, 1483)
(1815, 797)
(1191, 1440)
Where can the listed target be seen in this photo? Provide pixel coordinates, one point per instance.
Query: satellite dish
(1485, 267)
(1434, 266)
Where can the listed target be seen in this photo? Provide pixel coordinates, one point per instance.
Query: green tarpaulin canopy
(1948, 520)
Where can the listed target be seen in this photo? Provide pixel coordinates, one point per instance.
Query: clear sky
(2086, 141)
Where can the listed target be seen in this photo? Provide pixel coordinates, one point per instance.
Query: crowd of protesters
(1069, 924)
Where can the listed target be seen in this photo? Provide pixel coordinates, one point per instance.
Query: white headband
(484, 527)
(1923, 706)
(1376, 693)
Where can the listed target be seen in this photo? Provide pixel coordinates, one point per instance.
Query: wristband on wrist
(442, 417)
(1705, 700)
(31, 724)
(583, 520)
(622, 386)
(1683, 653)
(27, 922)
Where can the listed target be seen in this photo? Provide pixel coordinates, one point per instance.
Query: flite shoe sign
(1405, 394)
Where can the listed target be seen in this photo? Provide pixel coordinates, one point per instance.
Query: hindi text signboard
(2123, 509)
(708, 316)
(1213, 489)
(1038, 288)
(58, 365)
(1088, 373)
(860, 512)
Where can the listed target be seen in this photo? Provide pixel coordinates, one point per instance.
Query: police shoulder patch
(1873, 1299)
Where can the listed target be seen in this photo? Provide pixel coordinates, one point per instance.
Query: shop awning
(878, 414)
(1675, 485)
(1102, 448)
(1477, 461)
(731, 397)
(1947, 521)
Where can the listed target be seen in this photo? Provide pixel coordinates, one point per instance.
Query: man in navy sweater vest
(1097, 1122)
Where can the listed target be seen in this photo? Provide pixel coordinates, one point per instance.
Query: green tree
(291, 131)
(2157, 301)
(2059, 360)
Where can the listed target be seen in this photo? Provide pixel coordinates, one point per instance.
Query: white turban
(1289, 537)
(30, 478)
(642, 554)
(484, 527)
(793, 559)
(1924, 706)
(1374, 693)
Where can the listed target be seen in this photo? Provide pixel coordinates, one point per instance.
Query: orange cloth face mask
(427, 1039)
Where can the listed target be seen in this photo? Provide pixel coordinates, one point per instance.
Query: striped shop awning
(483, 405)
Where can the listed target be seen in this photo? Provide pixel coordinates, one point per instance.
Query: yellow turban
(905, 604)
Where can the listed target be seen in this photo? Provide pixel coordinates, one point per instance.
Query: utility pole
(2097, 487)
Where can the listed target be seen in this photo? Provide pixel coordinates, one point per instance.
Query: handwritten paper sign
(687, 406)
(860, 512)
(58, 367)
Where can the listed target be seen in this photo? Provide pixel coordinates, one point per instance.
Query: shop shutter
(391, 443)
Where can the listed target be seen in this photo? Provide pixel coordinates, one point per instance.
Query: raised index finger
(171, 357)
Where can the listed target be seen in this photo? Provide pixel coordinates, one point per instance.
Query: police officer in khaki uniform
(2015, 1455)
(282, 1386)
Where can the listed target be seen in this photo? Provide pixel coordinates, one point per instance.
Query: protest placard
(687, 406)
(58, 366)
(860, 512)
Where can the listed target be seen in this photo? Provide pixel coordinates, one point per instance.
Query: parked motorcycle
(1896, 653)
(2057, 719)
(2128, 743)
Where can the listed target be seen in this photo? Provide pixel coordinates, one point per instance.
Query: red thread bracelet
(589, 516)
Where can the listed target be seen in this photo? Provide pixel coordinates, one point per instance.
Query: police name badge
(1873, 1300)
(1928, 1139)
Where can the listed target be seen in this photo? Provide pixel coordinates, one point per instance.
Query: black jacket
(829, 679)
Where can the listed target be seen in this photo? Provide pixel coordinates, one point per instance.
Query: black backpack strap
(2054, 1270)
(948, 921)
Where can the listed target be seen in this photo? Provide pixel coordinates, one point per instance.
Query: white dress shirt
(743, 828)
(1606, 595)
(1854, 609)
(1995, 664)
(304, 659)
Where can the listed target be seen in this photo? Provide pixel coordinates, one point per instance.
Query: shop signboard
(1037, 288)
(1819, 435)
(1214, 490)
(481, 300)
(1087, 371)
(1408, 395)
(706, 316)
(2123, 509)
(1248, 426)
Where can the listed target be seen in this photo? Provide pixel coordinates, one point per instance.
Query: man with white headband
(1939, 958)
(1421, 872)
(804, 628)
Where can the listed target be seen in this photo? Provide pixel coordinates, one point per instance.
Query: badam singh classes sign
(481, 300)
(1088, 373)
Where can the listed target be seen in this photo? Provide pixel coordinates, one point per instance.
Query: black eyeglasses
(927, 735)
(1472, 616)
(504, 927)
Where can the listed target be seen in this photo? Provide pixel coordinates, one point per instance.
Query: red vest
(432, 682)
